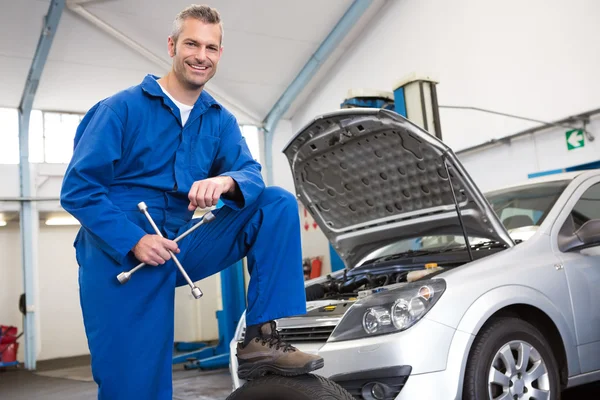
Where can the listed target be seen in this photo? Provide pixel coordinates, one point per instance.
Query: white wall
(61, 326)
(195, 319)
(10, 186)
(533, 58)
(282, 175)
(314, 242)
(511, 163)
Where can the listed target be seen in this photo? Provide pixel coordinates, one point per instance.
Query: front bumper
(377, 384)
(432, 350)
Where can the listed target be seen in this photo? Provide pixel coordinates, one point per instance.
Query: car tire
(494, 366)
(302, 387)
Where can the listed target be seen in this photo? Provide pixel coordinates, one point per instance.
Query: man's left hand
(207, 192)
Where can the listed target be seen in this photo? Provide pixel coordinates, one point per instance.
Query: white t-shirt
(184, 109)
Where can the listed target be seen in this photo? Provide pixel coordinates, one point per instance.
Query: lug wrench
(124, 277)
(196, 292)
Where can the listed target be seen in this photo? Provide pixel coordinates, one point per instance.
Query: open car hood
(370, 177)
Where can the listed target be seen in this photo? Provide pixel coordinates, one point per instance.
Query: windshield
(525, 206)
(521, 209)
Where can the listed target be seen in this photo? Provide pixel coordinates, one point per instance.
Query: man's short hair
(203, 13)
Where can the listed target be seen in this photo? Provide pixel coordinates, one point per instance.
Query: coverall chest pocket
(203, 151)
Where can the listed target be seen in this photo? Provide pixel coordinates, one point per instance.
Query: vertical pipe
(28, 246)
(28, 223)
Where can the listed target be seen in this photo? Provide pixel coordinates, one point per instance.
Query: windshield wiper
(411, 253)
(395, 256)
(440, 250)
(493, 243)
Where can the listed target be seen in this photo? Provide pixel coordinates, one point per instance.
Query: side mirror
(587, 235)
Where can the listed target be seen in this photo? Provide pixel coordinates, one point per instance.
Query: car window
(525, 205)
(517, 207)
(587, 207)
(424, 243)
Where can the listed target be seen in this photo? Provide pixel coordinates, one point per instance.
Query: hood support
(460, 220)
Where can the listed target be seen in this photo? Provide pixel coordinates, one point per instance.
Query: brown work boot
(267, 353)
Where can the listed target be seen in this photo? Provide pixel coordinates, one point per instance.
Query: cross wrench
(196, 292)
(124, 276)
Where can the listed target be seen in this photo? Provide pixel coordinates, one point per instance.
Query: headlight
(389, 311)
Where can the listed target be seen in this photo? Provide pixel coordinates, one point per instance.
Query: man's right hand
(154, 249)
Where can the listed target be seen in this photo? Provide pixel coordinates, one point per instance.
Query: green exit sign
(575, 139)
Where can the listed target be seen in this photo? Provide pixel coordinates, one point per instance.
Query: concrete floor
(19, 384)
(71, 380)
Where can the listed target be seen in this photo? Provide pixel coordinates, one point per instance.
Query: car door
(582, 268)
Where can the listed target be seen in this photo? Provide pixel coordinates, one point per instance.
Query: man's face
(196, 53)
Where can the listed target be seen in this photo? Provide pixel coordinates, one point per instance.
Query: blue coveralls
(130, 148)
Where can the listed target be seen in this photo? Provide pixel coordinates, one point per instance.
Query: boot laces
(276, 340)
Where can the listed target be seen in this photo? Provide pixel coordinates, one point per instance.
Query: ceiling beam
(243, 113)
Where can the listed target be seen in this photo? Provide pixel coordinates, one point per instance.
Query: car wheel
(302, 387)
(510, 359)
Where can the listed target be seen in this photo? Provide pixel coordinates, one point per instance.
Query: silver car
(447, 293)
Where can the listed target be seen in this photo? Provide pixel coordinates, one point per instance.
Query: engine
(348, 285)
(397, 269)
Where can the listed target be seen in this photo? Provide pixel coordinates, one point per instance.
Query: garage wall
(61, 326)
(314, 242)
(544, 151)
(532, 58)
(282, 175)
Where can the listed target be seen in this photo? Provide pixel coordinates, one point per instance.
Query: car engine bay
(381, 273)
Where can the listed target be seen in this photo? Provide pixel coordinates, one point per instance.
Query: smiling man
(170, 144)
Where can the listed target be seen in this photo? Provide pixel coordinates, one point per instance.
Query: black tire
(302, 387)
(490, 340)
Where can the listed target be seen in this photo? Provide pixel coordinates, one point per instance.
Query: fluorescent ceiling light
(62, 221)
